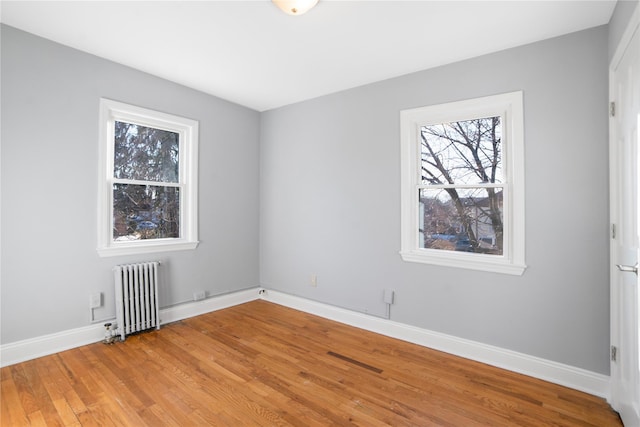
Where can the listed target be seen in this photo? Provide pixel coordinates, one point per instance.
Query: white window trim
(510, 107)
(111, 111)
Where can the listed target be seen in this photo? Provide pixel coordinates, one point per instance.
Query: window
(463, 184)
(148, 181)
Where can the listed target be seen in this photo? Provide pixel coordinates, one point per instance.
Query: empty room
(319, 212)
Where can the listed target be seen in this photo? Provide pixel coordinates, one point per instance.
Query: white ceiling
(251, 53)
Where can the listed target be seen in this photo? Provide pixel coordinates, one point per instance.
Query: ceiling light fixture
(295, 7)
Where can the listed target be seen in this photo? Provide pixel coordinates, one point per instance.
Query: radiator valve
(109, 337)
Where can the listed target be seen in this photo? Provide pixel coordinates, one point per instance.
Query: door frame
(615, 330)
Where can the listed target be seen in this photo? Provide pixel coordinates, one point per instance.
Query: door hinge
(614, 353)
(612, 109)
(613, 231)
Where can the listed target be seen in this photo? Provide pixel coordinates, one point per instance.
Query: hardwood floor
(260, 364)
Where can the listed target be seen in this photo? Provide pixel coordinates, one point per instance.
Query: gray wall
(50, 96)
(619, 21)
(330, 203)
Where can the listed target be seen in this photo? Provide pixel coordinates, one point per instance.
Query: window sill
(139, 248)
(468, 261)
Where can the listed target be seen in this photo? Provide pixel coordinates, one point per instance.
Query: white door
(625, 315)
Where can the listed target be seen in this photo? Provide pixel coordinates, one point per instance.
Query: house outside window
(463, 184)
(148, 181)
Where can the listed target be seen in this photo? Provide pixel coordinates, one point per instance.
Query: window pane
(468, 220)
(145, 212)
(465, 152)
(145, 153)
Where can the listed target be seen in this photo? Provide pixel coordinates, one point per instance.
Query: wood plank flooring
(260, 364)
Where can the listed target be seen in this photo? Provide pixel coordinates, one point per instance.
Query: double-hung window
(463, 184)
(148, 181)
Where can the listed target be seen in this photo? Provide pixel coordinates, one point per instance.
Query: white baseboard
(33, 348)
(196, 308)
(557, 373)
(21, 351)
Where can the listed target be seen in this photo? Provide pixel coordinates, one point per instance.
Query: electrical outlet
(314, 280)
(388, 296)
(95, 300)
(200, 295)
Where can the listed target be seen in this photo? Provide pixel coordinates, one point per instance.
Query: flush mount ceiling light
(295, 7)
